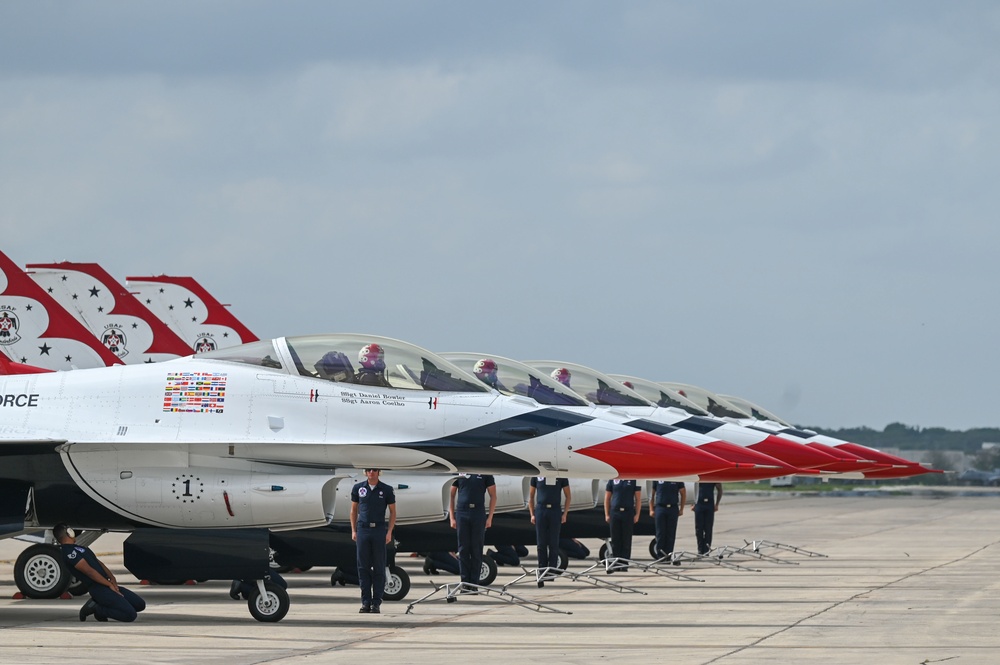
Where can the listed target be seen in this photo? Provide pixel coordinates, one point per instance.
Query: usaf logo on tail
(205, 343)
(8, 326)
(114, 339)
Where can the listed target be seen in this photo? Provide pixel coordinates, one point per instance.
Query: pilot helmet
(486, 371)
(372, 357)
(628, 384)
(561, 375)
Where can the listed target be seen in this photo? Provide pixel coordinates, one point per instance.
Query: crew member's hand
(354, 536)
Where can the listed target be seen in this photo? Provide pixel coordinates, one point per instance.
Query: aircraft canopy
(366, 360)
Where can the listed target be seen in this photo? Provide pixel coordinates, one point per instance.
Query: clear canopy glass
(758, 412)
(513, 378)
(367, 360)
(709, 401)
(660, 395)
(591, 384)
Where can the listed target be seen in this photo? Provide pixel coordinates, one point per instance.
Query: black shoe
(234, 590)
(376, 609)
(540, 584)
(365, 609)
(89, 607)
(677, 562)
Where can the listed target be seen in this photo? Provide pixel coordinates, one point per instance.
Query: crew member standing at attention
(470, 518)
(666, 504)
(107, 599)
(548, 516)
(708, 496)
(369, 501)
(622, 505)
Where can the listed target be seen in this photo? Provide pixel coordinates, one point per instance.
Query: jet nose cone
(846, 462)
(750, 464)
(645, 455)
(794, 453)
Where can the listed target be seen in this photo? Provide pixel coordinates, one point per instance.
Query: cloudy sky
(791, 202)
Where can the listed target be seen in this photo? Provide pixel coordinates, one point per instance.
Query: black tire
(654, 551)
(76, 587)
(39, 572)
(603, 553)
(397, 584)
(270, 608)
(563, 560)
(488, 573)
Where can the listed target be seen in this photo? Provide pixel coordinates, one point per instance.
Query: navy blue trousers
(622, 525)
(666, 528)
(547, 523)
(371, 564)
(471, 527)
(112, 606)
(704, 522)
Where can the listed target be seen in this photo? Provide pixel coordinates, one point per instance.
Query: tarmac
(905, 579)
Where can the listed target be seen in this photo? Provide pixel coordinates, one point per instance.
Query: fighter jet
(512, 377)
(191, 312)
(250, 438)
(36, 331)
(873, 463)
(127, 328)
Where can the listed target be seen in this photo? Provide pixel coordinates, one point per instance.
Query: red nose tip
(794, 453)
(751, 464)
(644, 455)
(847, 461)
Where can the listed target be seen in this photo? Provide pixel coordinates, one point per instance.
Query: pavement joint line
(839, 603)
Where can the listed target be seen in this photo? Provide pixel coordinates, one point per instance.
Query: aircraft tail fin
(120, 321)
(190, 311)
(36, 330)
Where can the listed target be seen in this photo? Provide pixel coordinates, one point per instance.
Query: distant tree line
(905, 437)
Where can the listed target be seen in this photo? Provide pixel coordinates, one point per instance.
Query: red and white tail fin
(35, 330)
(98, 301)
(190, 311)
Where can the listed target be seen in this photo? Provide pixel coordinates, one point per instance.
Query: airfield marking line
(837, 604)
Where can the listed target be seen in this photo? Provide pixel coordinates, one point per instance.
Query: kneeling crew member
(369, 500)
(107, 599)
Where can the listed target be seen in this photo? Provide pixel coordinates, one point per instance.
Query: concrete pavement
(907, 579)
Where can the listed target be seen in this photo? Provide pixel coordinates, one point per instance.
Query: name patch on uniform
(22, 399)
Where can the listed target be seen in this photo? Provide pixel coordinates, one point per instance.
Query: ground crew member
(548, 516)
(708, 496)
(622, 504)
(369, 501)
(107, 599)
(470, 518)
(666, 504)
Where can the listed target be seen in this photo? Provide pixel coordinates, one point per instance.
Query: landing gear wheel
(654, 551)
(76, 586)
(397, 584)
(563, 560)
(270, 607)
(39, 572)
(488, 573)
(603, 553)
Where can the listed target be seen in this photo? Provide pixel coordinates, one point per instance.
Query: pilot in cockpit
(371, 370)
(561, 375)
(486, 371)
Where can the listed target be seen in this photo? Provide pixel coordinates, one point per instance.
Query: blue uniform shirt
(622, 496)
(549, 492)
(706, 495)
(372, 503)
(74, 554)
(667, 493)
(472, 491)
